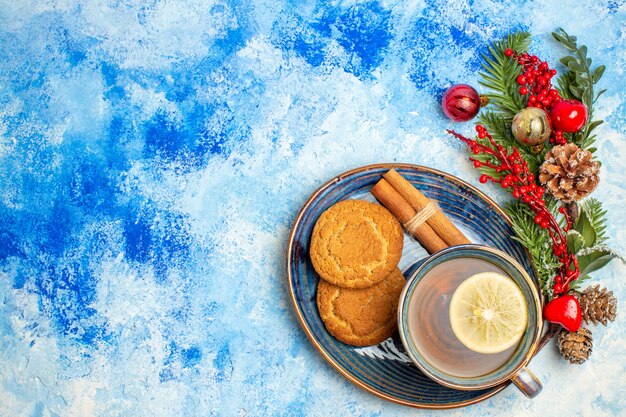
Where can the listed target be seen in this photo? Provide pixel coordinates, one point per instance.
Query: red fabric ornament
(564, 310)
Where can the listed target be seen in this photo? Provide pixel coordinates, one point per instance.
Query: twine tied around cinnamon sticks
(420, 216)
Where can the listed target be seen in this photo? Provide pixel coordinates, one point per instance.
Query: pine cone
(569, 173)
(598, 305)
(575, 346)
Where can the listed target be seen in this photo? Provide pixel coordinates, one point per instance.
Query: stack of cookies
(355, 248)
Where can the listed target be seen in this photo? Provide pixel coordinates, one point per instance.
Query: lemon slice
(488, 312)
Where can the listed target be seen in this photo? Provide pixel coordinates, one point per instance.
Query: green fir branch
(500, 73)
(577, 83)
(499, 77)
(537, 241)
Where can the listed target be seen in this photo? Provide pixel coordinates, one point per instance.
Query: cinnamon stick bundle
(438, 221)
(403, 211)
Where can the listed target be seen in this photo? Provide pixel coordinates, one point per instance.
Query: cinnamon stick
(403, 211)
(442, 226)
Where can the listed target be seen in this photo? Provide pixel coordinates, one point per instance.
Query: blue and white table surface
(153, 157)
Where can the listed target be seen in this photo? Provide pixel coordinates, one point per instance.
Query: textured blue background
(154, 154)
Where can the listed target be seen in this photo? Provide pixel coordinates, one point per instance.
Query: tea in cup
(453, 353)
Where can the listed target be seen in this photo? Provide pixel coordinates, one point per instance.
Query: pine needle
(537, 241)
(499, 75)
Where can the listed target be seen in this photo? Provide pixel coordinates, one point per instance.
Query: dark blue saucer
(385, 370)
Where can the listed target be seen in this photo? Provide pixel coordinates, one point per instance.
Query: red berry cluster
(535, 82)
(515, 176)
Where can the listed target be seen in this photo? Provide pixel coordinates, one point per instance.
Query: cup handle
(527, 382)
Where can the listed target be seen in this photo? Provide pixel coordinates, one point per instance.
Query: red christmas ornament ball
(568, 115)
(460, 103)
